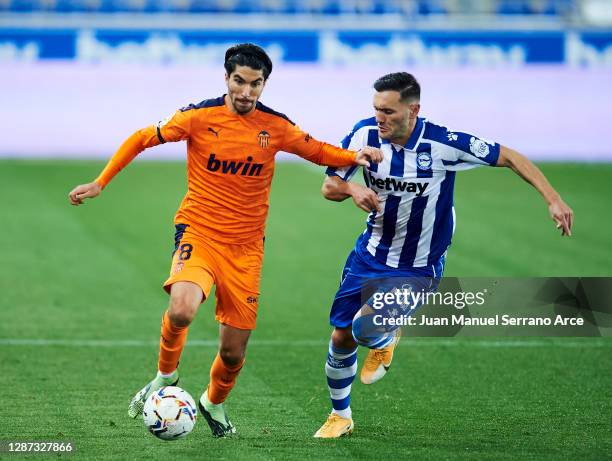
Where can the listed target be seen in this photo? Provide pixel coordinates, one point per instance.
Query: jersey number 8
(185, 251)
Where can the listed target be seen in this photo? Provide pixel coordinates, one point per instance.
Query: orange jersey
(230, 164)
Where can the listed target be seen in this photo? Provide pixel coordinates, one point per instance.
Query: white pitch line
(406, 342)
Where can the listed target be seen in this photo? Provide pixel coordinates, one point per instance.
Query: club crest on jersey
(424, 161)
(264, 139)
(478, 147)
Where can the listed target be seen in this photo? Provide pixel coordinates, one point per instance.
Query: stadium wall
(65, 109)
(508, 48)
(77, 91)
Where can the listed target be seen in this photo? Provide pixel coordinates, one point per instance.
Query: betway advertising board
(427, 48)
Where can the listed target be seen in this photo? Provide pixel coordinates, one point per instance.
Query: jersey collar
(416, 134)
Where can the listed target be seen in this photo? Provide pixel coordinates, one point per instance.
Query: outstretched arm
(174, 128)
(522, 166)
(338, 190)
(301, 143)
(131, 147)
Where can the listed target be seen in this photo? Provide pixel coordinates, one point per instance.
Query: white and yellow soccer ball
(170, 413)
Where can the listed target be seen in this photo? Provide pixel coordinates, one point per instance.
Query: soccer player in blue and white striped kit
(409, 198)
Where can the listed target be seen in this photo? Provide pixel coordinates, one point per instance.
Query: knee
(179, 317)
(231, 356)
(342, 338)
(181, 312)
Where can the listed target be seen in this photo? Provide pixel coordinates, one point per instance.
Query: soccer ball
(170, 413)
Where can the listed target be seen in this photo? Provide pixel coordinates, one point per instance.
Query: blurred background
(76, 77)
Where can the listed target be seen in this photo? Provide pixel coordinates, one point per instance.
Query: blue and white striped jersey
(415, 184)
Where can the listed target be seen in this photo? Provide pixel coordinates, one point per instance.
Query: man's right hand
(364, 197)
(84, 191)
(367, 155)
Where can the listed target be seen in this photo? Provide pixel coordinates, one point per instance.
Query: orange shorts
(235, 270)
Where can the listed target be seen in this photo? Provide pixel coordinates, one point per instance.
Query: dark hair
(403, 82)
(250, 55)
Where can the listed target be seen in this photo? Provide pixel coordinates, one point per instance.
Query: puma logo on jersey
(392, 184)
(216, 133)
(231, 167)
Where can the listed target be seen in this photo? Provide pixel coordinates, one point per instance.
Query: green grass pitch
(93, 273)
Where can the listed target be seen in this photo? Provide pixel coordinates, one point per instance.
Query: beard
(243, 107)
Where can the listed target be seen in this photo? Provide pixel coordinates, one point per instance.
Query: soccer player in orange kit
(231, 144)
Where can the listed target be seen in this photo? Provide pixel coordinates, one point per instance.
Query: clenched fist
(91, 190)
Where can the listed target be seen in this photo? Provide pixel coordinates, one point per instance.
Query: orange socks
(222, 376)
(222, 380)
(171, 345)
